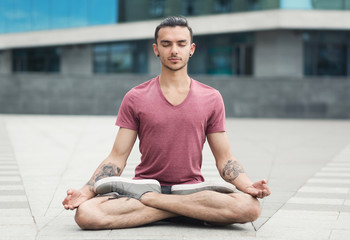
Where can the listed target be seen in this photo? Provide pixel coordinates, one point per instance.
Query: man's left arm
(231, 169)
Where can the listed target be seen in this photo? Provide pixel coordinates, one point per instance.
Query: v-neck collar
(166, 100)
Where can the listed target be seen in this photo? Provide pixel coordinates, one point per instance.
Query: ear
(155, 49)
(192, 49)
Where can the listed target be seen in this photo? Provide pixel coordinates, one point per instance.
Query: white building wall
(278, 54)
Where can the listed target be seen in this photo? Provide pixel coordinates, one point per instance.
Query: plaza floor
(307, 164)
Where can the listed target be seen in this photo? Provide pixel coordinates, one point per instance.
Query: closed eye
(165, 43)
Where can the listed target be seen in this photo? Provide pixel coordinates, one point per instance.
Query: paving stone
(15, 220)
(292, 233)
(312, 207)
(11, 192)
(10, 183)
(320, 195)
(343, 221)
(340, 235)
(13, 205)
(323, 189)
(18, 231)
(317, 201)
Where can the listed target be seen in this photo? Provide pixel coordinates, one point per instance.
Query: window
(329, 5)
(243, 59)
(222, 6)
(189, 8)
(326, 54)
(220, 60)
(36, 60)
(227, 54)
(325, 59)
(101, 59)
(296, 4)
(156, 8)
(253, 5)
(120, 57)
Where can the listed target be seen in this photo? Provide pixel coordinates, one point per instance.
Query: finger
(265, 193)
(257, 194)
(65, 201)
(267, 190)
(253, 192)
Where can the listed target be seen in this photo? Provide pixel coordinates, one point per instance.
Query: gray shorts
(166, 189)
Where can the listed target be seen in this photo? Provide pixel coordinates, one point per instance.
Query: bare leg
(213, 207)
(208, 206)
(101, 213)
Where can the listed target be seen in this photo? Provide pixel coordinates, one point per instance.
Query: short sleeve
(127, 115)
(216, 121)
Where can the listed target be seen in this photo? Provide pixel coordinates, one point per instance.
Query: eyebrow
(168, 41)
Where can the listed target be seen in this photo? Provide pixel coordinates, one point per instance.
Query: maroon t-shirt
(171, 137)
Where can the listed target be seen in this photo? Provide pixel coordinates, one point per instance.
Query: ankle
(148, 197)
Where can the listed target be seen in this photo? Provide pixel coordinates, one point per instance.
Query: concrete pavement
(307, 163)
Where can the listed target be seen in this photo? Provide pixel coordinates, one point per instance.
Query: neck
(174, 79)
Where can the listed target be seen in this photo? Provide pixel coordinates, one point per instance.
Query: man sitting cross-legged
(173, 115)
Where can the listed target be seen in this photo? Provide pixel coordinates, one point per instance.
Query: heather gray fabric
(184, 189)
(126, 187)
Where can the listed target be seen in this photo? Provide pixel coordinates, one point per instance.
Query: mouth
(174, 59)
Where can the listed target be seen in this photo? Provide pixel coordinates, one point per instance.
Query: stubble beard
(168, 66)
(174, 69)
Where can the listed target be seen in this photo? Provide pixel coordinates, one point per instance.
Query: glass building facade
(134, 10)
(224, 54)
(325, 53)
(45, 59)
(120, 57)
(35, 15)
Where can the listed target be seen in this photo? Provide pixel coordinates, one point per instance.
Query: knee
(253, 210)
(87, 217)
(250, 208)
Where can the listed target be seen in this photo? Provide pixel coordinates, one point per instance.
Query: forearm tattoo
(232, 170)
(106, 170)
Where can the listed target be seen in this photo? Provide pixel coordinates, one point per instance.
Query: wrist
(88, 191)
(244, 187)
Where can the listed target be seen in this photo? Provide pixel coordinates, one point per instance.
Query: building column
(348, 60)
(153, 61)
(5, 61)
(77, 59)
(278, 54)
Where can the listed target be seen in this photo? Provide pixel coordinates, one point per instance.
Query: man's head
(173, 22)
(174, 44)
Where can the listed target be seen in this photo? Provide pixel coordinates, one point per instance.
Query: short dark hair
(173, 22)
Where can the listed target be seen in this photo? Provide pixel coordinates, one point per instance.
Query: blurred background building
(268, 58)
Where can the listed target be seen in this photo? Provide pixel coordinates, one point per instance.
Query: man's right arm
(113, 165)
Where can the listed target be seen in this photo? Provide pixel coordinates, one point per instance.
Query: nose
(174, 50)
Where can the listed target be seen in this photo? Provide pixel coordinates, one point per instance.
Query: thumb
(253, 191)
